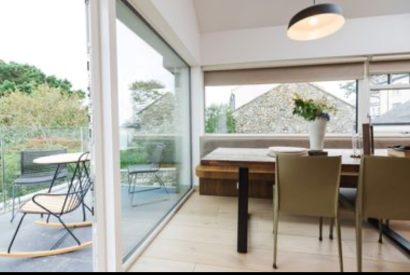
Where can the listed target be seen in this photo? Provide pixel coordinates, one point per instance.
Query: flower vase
(317, 130)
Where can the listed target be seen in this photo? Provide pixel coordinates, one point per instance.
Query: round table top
(60, 159)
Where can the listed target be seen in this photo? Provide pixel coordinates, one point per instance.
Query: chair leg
(161, 182)
(332, 223)
(339, 241)
(129, 182)
(13, 214)
(132, 190)
(69, 231)
(321, 229)
(359, 243)
(380, 231)
(275, 238)
(15, 233)
(84, 213)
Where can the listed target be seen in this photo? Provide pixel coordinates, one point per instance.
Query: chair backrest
(33, 169)
(308, 185)
(384, 188)
(156, 154)
(80, 184)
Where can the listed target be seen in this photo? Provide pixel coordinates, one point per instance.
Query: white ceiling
(222, 15)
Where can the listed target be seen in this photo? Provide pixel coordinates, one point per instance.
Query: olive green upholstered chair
(383, 193)
(307, 186)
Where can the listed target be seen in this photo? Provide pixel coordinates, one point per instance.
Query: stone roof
(272, 112)
(399, 114)
(157, 117)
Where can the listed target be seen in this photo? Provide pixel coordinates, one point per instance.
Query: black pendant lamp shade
(316, 22)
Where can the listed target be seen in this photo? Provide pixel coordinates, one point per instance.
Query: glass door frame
(105, 144)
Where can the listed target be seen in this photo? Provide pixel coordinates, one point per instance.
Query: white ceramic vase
(317, 130)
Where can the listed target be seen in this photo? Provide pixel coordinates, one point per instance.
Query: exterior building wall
(272, 112)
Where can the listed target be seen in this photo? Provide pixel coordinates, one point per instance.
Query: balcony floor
(202, 238)
(137, 222)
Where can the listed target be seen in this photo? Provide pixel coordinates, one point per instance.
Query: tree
(45, 107)
(15, 77)
(219, 119)
(145, 92)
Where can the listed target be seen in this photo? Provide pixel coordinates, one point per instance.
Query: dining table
(258, 160)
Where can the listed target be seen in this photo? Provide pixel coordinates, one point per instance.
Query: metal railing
(15, 140)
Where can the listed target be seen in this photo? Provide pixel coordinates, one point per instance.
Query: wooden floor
(202, 238)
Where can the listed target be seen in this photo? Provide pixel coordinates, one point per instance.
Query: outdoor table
(60, 160)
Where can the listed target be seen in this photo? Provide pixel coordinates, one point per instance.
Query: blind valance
(389, 67)
(313, 73)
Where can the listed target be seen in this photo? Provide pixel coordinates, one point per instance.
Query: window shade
(285, 74)
(389, 67)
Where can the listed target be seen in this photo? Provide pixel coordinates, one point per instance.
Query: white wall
(176, 22)
(363, 36)
(198, 115)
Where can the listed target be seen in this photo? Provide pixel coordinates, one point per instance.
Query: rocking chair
(58, 205)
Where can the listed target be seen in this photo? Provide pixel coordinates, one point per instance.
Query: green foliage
(311, 109)
(15, 77)
(146, 91)
(45, 107)
(219, 119)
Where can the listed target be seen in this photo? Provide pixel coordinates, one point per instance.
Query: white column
(105, 132)
(364, 99)
(198, 115)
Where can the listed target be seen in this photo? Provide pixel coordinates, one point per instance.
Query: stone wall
(272, 112)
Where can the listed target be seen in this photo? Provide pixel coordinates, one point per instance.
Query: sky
(49, 34)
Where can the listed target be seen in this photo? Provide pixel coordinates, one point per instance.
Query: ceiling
(222, 15)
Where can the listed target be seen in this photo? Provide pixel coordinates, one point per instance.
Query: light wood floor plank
(202, 238)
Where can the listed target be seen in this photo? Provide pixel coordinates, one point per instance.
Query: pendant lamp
(316, 22)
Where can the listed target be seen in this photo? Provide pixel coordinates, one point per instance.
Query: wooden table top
(246, 156)
(60, 159)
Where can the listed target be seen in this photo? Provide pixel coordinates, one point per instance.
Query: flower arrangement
(311, 109)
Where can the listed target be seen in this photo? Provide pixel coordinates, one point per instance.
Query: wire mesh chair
(151, 168)
(37, 174)
(58, 205)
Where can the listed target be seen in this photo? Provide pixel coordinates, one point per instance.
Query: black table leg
(243, 210)
(54, 178)
(396, 238)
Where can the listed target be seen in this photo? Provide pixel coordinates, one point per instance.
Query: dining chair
(383, 194)
(307, 186)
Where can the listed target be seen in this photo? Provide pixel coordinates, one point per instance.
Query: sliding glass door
(154, 119)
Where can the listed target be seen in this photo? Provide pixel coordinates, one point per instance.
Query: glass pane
(400, 78)
(268, 109)
(43, 112)
(379, 79)
(390, 106)
(154, 103)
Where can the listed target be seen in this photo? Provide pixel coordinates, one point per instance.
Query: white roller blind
(389, 67)
(285, 74)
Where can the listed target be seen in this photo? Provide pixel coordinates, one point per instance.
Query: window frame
(388, 88)
(356, 121)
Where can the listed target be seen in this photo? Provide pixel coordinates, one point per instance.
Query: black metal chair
(150, 168)
(37, 174)
(58, 205)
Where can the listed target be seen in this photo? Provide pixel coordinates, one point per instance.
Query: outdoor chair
(383, 194)
(142, 169)
(57, 206)
(36, 174)
(307, 186)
